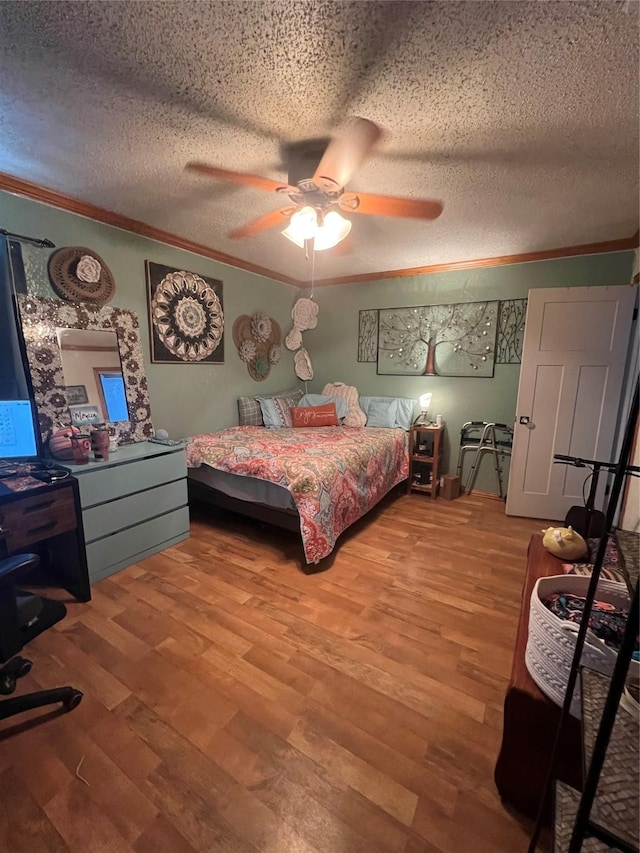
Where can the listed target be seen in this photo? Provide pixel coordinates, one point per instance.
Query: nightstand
(425, 458)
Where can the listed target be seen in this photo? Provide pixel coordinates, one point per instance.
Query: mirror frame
(40, 318)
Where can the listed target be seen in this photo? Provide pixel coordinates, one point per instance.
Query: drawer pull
(39, 506)
(43, 527)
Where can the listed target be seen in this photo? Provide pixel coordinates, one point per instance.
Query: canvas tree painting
(438, 340)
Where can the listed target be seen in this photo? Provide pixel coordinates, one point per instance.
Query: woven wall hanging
(258, 341)
(80, 275)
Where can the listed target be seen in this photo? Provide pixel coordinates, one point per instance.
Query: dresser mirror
(94, 384)
(65, 343)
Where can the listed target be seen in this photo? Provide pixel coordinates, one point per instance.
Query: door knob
(525, 420)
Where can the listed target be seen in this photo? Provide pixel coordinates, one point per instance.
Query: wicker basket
(551, 641)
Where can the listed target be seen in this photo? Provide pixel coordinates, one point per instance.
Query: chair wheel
(73, 701)
(24, 668)
(7, 684)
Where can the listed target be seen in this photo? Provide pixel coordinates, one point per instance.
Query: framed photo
(76, 394)
(186, 317)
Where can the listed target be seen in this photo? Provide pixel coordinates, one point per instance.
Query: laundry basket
(551, 641)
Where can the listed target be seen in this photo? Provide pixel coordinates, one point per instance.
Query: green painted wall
(185, 399)
(189, 399)
(333, 344)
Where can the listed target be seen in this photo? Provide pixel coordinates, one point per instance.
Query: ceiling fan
(318, 171)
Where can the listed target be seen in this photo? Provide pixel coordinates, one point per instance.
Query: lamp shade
(332, 231)
(304, 226)
(425, 401)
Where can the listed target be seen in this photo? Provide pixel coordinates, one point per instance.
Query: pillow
(355, 416)
(382, 413)
(404, 413)
(276, 412)
(314, 416)
(322, 399)
(250, 412)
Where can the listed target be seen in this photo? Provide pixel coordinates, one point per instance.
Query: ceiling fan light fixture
(332, 231)
(303, 225)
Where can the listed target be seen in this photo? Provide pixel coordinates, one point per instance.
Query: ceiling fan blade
(346, 152)
(263, 223)
(244, 179)
(389, 205)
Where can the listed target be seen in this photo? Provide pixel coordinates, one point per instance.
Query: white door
(573, 359)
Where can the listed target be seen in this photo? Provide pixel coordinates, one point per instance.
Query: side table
(426, 442)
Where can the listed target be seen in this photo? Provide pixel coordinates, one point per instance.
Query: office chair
(22, 617)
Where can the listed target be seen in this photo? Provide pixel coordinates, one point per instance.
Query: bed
(316, 480)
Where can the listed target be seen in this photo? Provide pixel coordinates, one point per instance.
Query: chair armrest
(12, 567)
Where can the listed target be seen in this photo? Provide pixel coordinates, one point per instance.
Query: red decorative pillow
(314, 416)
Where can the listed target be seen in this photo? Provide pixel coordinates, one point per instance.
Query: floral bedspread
(335, 474)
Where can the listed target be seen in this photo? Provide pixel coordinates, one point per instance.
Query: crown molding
(622, 245)
(109, 217)
(36, 192)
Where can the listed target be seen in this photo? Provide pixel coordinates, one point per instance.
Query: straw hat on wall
(80, 275)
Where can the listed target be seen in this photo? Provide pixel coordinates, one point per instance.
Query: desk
(530, 718)
(45, 519)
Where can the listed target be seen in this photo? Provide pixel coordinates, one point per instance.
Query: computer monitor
(19, 434)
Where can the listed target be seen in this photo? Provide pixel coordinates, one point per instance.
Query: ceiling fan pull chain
(313, 271)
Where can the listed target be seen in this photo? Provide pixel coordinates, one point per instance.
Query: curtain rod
(45, 244)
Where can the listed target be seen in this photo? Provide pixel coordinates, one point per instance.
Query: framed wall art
(511, 319)
(368, 335)
(186, 316)
(438, 340)
(76, 394)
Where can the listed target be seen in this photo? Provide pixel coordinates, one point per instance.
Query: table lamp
(425, 402)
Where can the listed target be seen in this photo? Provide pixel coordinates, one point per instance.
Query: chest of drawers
(133, 505)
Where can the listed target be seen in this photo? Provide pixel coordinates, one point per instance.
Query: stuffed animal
(564, 542)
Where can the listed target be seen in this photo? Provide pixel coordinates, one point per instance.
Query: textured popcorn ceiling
(522, 117)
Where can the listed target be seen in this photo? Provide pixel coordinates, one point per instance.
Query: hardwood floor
(234, 703)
